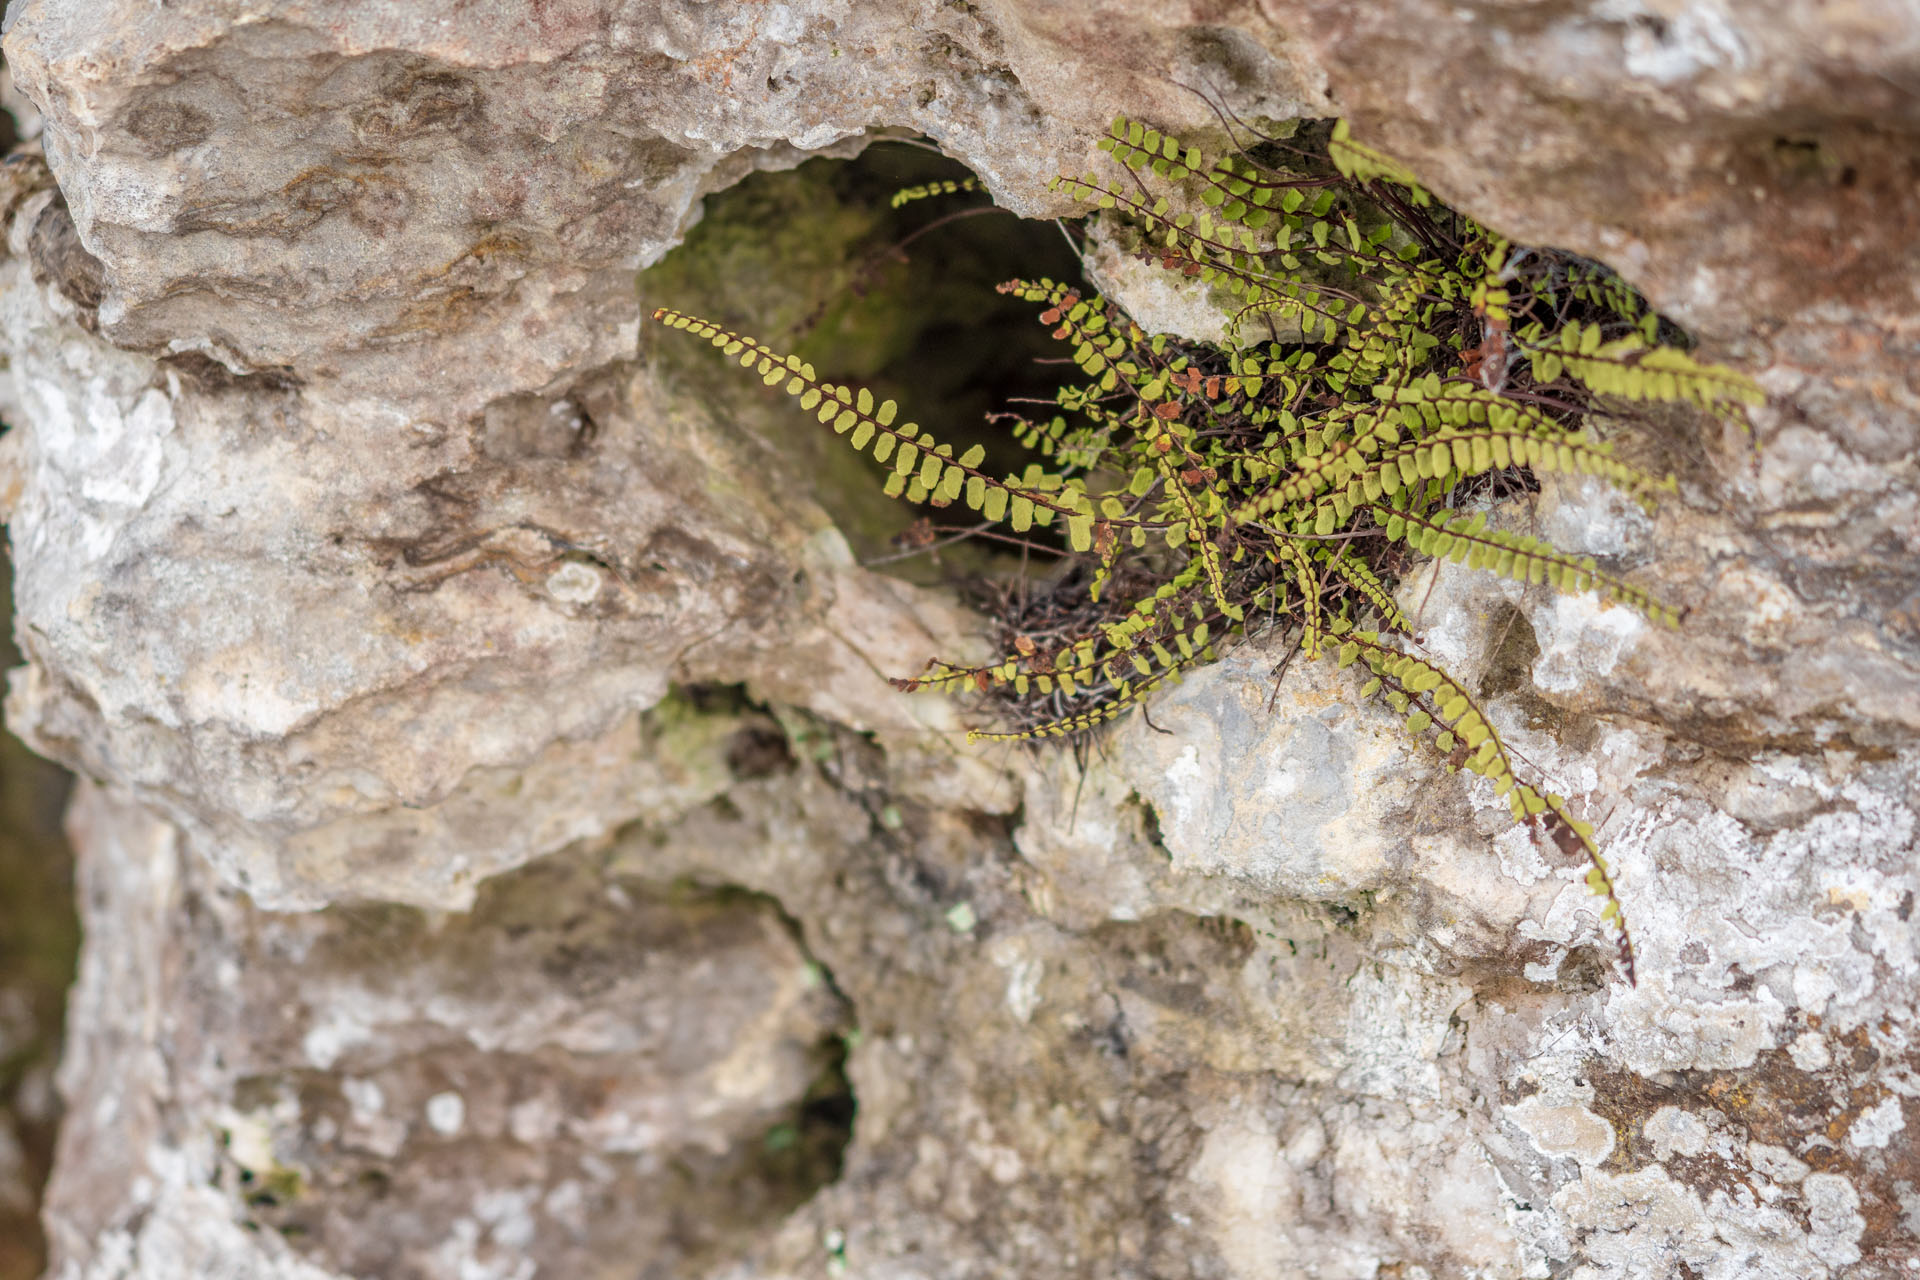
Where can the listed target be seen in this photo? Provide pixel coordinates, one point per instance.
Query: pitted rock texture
(354, 193)
(579, 1071)
(339, 640)
(362, 534)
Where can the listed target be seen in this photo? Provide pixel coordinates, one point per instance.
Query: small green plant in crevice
(1388, 362)
(897, 298)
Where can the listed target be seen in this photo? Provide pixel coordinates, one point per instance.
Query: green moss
(692, 737)
(275, 1187)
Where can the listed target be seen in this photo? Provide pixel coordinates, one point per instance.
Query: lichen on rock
(500, 829)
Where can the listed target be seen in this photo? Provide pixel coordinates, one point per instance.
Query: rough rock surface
(359, 551)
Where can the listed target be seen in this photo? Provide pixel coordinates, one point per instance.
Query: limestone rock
(579, 1071)
(370, 668)
(469, 197)
(373, 559)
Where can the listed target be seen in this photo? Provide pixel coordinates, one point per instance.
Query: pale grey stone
(318, 584)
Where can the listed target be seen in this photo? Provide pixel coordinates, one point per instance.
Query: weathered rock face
(632, 1067)
(360, 547)
(1750, 166)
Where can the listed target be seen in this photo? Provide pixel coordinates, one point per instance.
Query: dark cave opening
(900, 299)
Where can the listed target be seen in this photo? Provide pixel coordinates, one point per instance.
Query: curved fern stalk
(1599, 288)
(1079, 722)
(927, 190)
(1347, 459)
(1291, 303)
(1193, 525)
(1155, 668)
(1100, 343)
(1152, 648)
(1466, 540)
(1196, 246)
(1631, 369)
(1235, 189)
(1235, 177)
(1433, 701)
(1248, 192)
(1371, 589)
(1312, 618)
(1220, 253)
(1353, 481)
(1137, 146)
(924, 471)
(1374, 462)
(1362, 163)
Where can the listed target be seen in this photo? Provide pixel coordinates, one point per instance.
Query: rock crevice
(457, 679)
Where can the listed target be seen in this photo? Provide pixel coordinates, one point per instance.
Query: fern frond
(1195, 531)
(1371, 589)
(1365, 164)
(1077, 723)
(1604, 291)
(1453, 452)
(1466, 540)
(1434, 702)
(1136, 146)
(926, 190)
(1375, 462)
(1101, 343)
(923, 470)
(1429, 697)
(1089, 188)
(1149, 665)
(1631, 369)
(1575, 838)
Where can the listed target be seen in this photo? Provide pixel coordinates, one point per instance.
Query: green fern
(925, 190)
(1364, 164)
(1411, 359)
